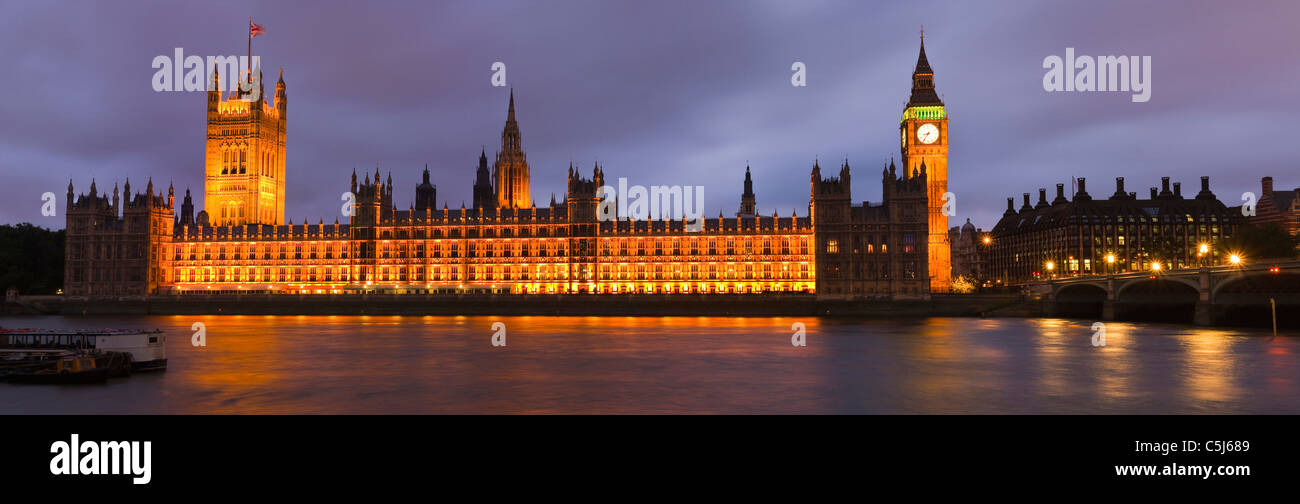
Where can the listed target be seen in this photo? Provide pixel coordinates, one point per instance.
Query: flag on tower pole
(254, 30)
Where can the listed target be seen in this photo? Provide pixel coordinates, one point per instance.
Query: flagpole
(250, 53)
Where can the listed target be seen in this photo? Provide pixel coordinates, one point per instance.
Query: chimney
(1153, 193)
(1266, 184)
(1026, 207)
(1060, 194)
(1011, 204)
(1205, 193)
(1082, 195)
(1178, 189)
(1119, 188)
(1042, 196)
(1164, 186)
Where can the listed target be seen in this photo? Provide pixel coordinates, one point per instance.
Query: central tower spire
(511, 169)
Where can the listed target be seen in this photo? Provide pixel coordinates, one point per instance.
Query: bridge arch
(1080, 300)
(1259, 281)
(1244, 299)
(1191, 282)
(1160, 299)
(1081, 290)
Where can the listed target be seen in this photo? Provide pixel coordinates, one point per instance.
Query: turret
(280, 96)
(214, 90)
(187, 210)
(483, 194)
(426, 194)
(747, 204)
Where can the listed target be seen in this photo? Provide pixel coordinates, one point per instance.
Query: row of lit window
(237, 274)
(677, 271)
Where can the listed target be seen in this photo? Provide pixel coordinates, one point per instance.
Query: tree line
(31, 259)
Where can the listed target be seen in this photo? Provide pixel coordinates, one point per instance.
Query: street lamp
(1050, 266)
(1203, 253)
(1234, 259)
(1110, 264)
(1155, 266)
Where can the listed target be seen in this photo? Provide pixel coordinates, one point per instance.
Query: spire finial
(511, 114)
(922, 33)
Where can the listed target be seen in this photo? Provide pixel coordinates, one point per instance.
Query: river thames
(382, 364)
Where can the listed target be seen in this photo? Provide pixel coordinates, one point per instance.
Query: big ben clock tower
(924, 143)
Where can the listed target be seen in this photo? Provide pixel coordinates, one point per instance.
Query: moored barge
(144, 350)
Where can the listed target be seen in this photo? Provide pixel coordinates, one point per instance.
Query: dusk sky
(676, 93)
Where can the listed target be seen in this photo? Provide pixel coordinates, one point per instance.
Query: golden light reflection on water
(1209, 364)
(1115, 373)
(432, 364)
(1054, 379)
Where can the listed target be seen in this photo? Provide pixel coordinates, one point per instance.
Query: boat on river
(135, 349)
(68, 369)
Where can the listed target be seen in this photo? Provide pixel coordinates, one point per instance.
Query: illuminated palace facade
(505, 243)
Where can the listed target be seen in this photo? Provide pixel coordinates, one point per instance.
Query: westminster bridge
(1205, 296)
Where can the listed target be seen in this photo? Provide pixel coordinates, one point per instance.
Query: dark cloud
(662, 93)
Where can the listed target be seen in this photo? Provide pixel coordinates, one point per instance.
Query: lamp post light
(982, 262)
(1110, 264)
(1050, 267)
(1234, 259)
(1203, 253)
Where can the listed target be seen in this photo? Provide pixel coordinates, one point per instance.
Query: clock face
(927, 133)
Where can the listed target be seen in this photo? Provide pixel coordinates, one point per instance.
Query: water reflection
(388, 364)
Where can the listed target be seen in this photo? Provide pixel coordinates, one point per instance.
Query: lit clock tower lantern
(924, 142)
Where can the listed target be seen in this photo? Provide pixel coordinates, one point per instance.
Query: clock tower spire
(923, 133)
